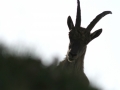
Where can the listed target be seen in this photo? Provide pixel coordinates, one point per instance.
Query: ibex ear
(96, 34)
(70, 23)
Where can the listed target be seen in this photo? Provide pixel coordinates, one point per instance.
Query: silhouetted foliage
(28, 73)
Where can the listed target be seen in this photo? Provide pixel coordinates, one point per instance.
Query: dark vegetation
(25, 72)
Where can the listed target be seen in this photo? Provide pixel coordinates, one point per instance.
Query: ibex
(79, 38)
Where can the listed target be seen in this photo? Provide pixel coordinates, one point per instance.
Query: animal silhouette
(79, 38)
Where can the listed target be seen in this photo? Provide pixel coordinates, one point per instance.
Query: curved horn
(78, 16)
(96, 19)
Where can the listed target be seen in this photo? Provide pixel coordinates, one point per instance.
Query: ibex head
(79, 36)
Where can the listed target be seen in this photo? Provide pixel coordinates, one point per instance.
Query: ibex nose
(72, 54)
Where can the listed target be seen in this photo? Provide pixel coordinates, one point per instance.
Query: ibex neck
(79, 63)
(76, 65)
(76, 68)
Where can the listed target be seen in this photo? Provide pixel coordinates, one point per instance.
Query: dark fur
(79, 39)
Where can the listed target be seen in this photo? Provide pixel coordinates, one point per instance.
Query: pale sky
(42, 26)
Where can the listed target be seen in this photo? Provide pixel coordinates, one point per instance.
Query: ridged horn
(78, 16)
(96, 19)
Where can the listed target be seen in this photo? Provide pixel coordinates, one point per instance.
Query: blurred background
(41, 27)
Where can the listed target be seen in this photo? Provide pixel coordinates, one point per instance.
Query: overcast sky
(42, 26)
